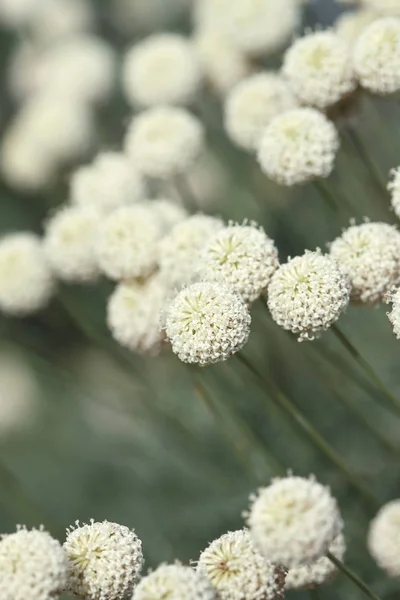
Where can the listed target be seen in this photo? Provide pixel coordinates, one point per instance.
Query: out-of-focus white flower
(53, 20)
(168, 212)
(394, 188)
(21, 70)
(174, 582)
(163, 142)
(26, 283)
(252, 104)
(349, 25)
(16, 13)
(383, 538)
(384, 7)
(109, 182)
(163, 69)
(18, 393)
(298, 146)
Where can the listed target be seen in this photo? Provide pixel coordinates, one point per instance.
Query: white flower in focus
(319, 69)
(294, 520)
(308, 294)
(163, 69)
(19, 393)
(179, 251)
(298, 146)
(70, 244)
(163, 142)
(174, 582)
(394, 315)
(105, 560)
(394, 188)
(207, 323)
(376, 56)
(238, 571)
(384, 536)
(109, 182)
(241, 256)
(134, 312)
(252, 104)
(168, 212)
(319, 572)
(26, 282)
(32, 564)
(53, 20)
(370, 254)
(349, 25)
(127, 244)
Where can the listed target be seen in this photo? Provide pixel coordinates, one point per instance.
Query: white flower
(308, 294)
(384, 536)
(294, 520)
(394, 315)
(26, 283)
(163, 142)
(163, 69)
(394, 188)
(53, 20)
(105, 560)
(376, 56)
(241, 256)
(207, 323)
(370, 254)
(179, 251)
(19, 393)
(319, 572)
(127, 245)
(252, 104)
(109, 182)
(21, 69)
(134, 312)
(16, 13)
(70, 243)
(319, 69)
(174, 582)
(298, 146)
(388, 7)
(238, 571)
(32, 564)
(349, 25)
(168, 212)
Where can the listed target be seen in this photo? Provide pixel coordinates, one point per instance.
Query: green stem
(353, 577)
(372, 169)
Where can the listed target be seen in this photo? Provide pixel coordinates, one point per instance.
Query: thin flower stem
(352, 576)
(334, 200)
(281, 400)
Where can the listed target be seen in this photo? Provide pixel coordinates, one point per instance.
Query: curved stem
(352, 576)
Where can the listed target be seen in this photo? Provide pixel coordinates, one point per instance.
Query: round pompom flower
(109, 182)
(238, 571)
(241, 256)
(294, 520)
(384, 536)
(70, 244)
(252, 104)
(370, 254)
(33, 565)
(134, 312)
(127, 243)
(319, 70)
(319, 572)
(26, 282)
(308, 294)
(174, 582)
(163, 142)
(376, 56)
(163, 69)
(394, 315)
(105, 560)
(179, 251)
(298, 146)
(207, 323)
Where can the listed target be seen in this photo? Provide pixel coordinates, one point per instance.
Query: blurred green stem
(353, 577)
(333, 199)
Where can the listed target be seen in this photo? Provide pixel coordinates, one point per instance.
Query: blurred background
(88, 430)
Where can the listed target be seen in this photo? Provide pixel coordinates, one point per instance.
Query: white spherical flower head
(109, 182)
(32, 565)
(134, 312)
(370, 254)
(70, 244)
(319, 572)
(243, 257)
(294, 520)
(308, 294)
(376, 56)
(394, 188)
(163, 142)
(298, 146)
(319, 69)
(207, 323)
(349, 25)
(174, 582)
(252, 104)
(238, 571)
(105, 560)
(127, 244)
(26, 282)
(394, 315)
(163, 69)
(179, 251)
(168, 212)
(384, 536)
